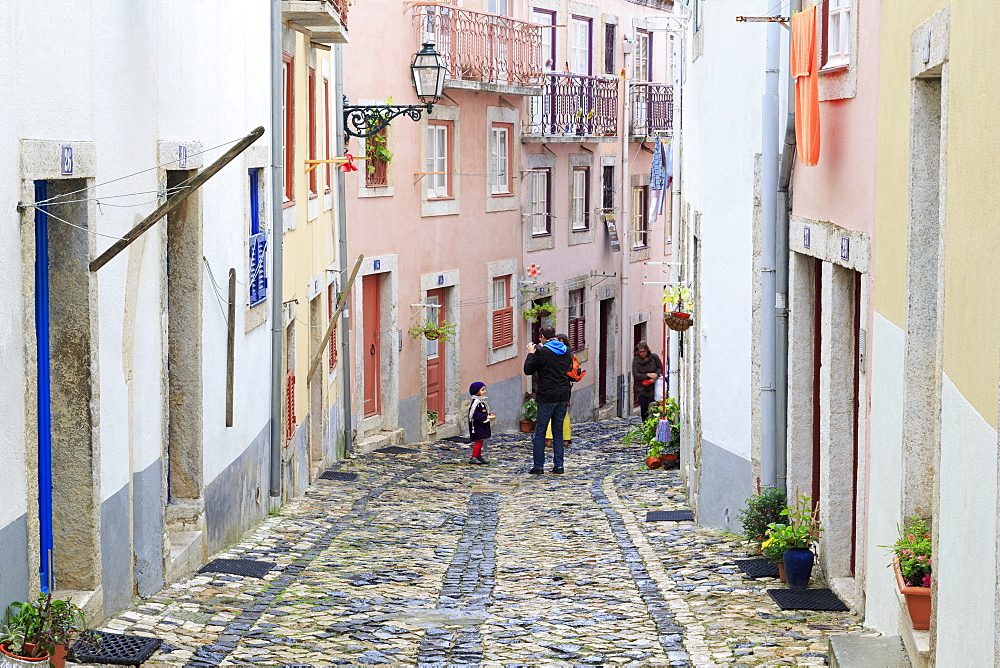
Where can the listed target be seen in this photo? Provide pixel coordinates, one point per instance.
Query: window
(327, 133)
(541, 206)
(311, 95)
(257, 243)
(500, 156)
(503, 313)
(377, 165)
(501, 7)
(579, 45)
(438, 160)
(577, 321)
(288, 107)
(438, 152)
(331, 306)
(643, 55)
(580, 198)
(547, 18)
(640, 222)
(609, 48)
(836, 33)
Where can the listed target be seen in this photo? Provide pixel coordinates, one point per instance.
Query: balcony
(652, 109)
(322, 21)
(574, 106)
(483, 51)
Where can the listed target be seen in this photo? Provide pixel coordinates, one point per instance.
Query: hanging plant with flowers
(913, 552)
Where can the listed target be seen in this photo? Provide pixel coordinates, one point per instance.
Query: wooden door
(371, 307)
(602, 356)
(435, 358)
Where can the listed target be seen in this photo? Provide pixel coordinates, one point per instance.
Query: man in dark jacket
(550, 360)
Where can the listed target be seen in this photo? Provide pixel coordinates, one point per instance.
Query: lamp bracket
(365, 120)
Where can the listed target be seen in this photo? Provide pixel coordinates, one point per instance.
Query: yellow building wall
(972, 240)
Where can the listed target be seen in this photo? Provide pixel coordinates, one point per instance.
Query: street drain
(245, 567)
(395, 450)
(669, 516)
(113, 648)
(337, 475)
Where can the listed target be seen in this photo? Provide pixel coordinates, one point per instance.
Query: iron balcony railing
(574, 104)
(481, 47)
(652, 109)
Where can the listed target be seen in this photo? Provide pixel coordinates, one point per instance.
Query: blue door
(44, 386)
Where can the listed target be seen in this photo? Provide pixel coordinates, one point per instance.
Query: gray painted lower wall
(409, 418)
(238, 497)
(116, 551)
(582, 409)
(147, 528)
(334, 440)
(14, 557)
(725, 486)
(505, 399)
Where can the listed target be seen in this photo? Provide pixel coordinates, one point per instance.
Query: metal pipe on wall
(345, 325)
(277, 232)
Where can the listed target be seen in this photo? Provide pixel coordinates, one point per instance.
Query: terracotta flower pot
(781, 572)
(653, 462)
(527, 426)
(918, 600)
(680, 314)
(18, 660)
(670, 459)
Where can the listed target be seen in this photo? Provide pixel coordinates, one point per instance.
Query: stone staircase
(380, 439)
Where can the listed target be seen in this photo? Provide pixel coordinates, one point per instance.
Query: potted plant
(540, 310)
(798, 536)
(658, 453)
(582, 120)
(432, 331)
(912, 564)
(671, 451)
(529, 413)
(773, 548)
(677, 308)
(762, 509)
(432, 418)
(37, 632)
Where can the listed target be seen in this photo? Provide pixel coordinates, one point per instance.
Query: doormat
(394, 450)
(245, 567)
(456, 439)
(758, 568)
(669, 516)
(807, 599)
(113, 648)
(337, 475)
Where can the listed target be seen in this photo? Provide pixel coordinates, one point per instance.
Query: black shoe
(476, 460)
(480, 460)
(536, 471)
(557, 471)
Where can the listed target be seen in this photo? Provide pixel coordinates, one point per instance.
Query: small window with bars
(609, 48)
(577, 320)
(503, 313)
(257, 279)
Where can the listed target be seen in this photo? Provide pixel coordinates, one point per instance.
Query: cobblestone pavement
(426, 560)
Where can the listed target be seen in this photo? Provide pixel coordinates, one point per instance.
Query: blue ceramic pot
(798, 566)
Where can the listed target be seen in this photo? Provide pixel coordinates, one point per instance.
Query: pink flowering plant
(913, 550)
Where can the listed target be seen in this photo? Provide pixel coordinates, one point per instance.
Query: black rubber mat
(394, 450)
(113, 648)
(758, 568)
(456, 439)
(337, 475)
(807, 599)
(245, 567)
(669, 516)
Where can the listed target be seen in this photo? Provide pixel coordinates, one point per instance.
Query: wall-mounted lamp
(428, 70)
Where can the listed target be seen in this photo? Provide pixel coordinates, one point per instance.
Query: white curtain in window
(579, 46)
(539, 201)
(839, 33)
(499, 161)
(437, 161)
(579, 203)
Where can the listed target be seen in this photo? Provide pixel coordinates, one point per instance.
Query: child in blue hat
(480, 418)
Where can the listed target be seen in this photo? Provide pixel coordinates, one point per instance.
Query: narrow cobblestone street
(426, 560)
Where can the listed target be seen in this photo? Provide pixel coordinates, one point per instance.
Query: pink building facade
(523, 186)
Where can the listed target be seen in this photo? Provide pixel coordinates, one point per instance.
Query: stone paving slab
(427, 561)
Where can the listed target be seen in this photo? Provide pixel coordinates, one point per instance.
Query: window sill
(288, 203)
(541, 236)
(836, 68)
(313, 195)
(503, 194)
(585, 228)
(440, 199)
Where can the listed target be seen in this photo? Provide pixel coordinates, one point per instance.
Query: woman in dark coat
(480, 418)
(646, 368)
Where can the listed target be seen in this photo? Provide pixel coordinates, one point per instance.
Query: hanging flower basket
(678, 321)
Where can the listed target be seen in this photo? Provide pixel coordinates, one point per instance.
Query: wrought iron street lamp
(428, 70)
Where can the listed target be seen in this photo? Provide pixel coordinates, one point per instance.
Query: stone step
(382, 439)
(852, 651)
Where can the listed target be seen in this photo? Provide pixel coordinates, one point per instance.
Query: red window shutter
(503, 327)
(290, 407)
(577, 334)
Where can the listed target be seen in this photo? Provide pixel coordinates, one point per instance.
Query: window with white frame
(547, 19)
(579, 45)
(503, 313)
(500, 156)
(577, 321)
(580, 198)
(837, 33)
(640, 220)
(501, 7)
(643, 55)
(438, 160)
(541, 208)
(257, 242)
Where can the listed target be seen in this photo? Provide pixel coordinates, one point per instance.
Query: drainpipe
(781, 283)
(624, 396)
(769, 191)
(277, 234)
(344, 328)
